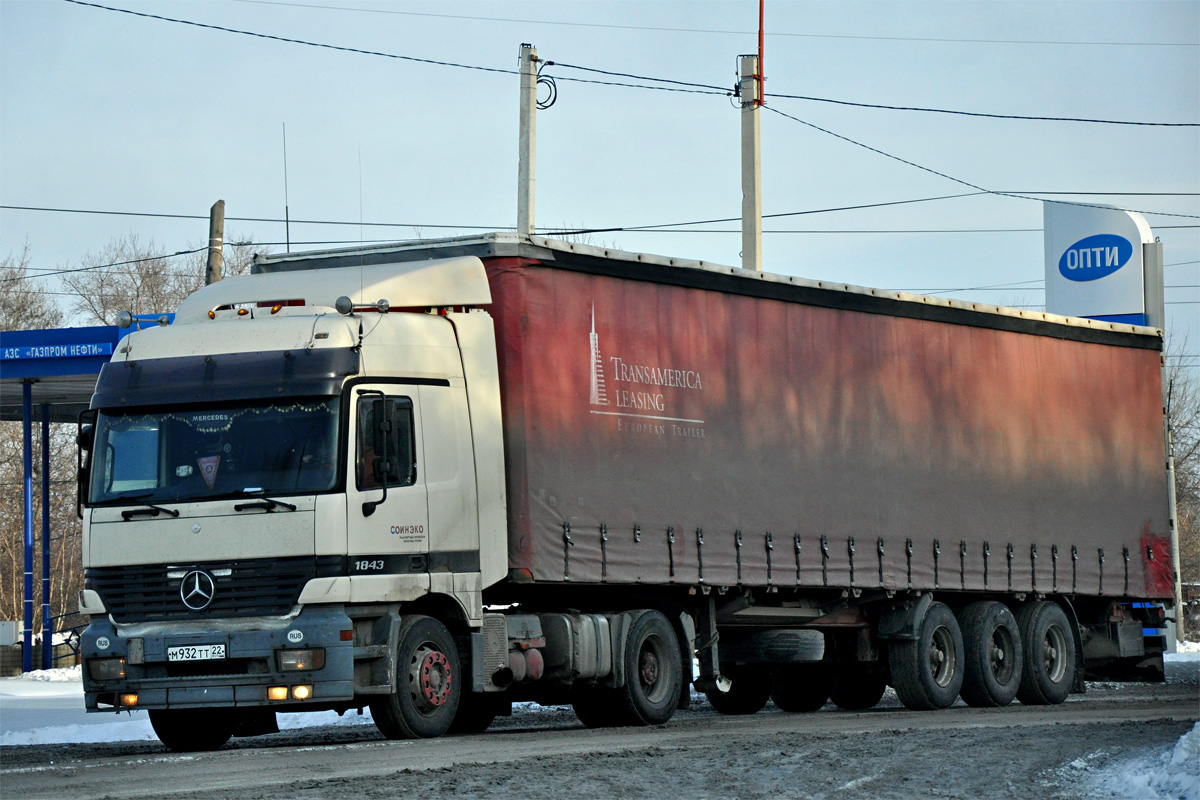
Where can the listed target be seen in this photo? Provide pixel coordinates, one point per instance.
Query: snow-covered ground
(46, 707)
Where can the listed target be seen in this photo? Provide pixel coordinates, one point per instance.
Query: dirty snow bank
(1173, 775)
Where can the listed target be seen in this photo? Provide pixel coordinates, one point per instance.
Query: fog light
(301, 692)
(128, 700)
(277, 693)
(298, 660)
(106, 669)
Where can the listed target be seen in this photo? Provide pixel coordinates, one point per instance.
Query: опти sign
(1097, 267)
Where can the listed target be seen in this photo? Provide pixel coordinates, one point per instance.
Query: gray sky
(107, 111)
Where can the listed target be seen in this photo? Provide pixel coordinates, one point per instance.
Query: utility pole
(1152, 282)
(216, 242)
(750, 89)
(527, 140)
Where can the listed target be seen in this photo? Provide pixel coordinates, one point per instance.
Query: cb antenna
(287, 225)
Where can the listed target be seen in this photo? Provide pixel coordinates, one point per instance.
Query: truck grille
(262, 587)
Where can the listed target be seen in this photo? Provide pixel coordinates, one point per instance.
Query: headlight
(106, 669)
(298, 660)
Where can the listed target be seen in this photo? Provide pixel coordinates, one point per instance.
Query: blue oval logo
(1095, 257)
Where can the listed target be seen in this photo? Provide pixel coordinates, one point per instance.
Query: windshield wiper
(150, 510)
(266, 504)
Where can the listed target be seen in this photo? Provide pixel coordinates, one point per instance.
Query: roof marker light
(212, 314)
(243, 312)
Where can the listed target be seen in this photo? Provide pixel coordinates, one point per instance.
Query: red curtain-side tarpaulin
(661, 433)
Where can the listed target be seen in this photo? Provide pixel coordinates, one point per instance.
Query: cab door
(387, 522)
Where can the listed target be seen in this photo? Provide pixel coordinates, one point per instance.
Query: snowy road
(1136, 740)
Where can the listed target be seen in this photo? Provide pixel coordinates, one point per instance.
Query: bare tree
(1184, 421)
(129, 275)
(24, 305)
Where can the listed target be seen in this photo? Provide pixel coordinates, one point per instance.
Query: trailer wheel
(927, 672)
(426, 688)
(193, 729)
(749, 692)
(992, 642)
(653, 672)
(857, 690)
(1049, 654)
(801, 689)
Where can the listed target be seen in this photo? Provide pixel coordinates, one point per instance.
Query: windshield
(178, 454)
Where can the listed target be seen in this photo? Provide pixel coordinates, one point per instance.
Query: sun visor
(228, 376)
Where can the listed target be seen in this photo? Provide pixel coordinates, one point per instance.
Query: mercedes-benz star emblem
(197, 590)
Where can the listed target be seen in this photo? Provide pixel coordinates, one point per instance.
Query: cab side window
(384, 450)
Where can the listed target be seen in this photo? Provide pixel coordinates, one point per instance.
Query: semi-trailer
(434, 478)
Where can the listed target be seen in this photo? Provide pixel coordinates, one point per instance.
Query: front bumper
(241, 678)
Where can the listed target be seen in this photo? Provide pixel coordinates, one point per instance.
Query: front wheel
(1049, 654)
(927, 672)
(193, 729)
(426, 688)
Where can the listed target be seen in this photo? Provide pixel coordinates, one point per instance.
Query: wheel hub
(430, 679)
(649, 668)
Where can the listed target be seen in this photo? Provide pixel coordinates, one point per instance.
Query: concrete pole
(750, 88)
(1156, 317)
(216, 242)
(527, 142)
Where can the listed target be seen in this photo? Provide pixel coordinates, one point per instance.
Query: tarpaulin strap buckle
(567, 545)
(603, 551)
(737, 545)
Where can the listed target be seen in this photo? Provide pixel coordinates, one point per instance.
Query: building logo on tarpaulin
(598, 396)
(652, 401)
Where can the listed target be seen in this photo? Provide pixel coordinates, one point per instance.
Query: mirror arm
(368, 507)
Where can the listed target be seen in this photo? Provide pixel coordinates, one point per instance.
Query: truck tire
(992, 643)
(193, 729)
(477, 711)
(927, 672)
(426, 688)
(652, 672)
(1049, 654)
(857, 690)
(801, 689)
(748, 693)
(599, 708)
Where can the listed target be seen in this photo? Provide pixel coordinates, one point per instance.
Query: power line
(715, 31)
(675, 85)
(295, 41)
(984, 115)
(951, 177)
(106, 266)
